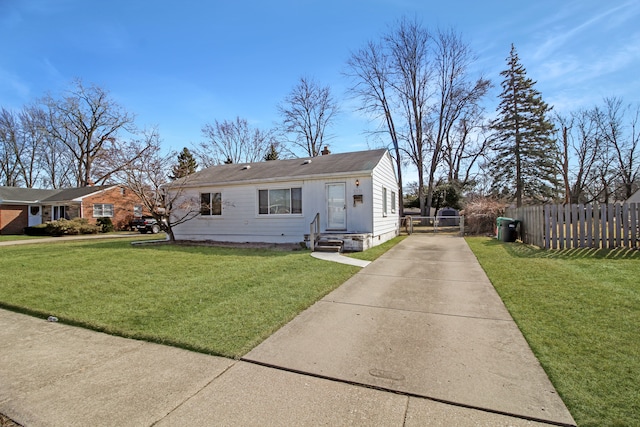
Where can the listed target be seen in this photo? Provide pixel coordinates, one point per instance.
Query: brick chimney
(325, 151)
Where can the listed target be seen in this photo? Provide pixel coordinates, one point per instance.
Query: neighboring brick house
(22, 207)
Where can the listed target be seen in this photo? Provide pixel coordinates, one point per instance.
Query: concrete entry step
(329, 245)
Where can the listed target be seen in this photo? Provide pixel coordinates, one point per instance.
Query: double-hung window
(101, 210)
(137, 211)
(384, 201)
(393, 202)
(284, 201)
(210, 204)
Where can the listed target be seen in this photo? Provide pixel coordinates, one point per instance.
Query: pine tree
(186, 165)
(525, 152)
(272, 154)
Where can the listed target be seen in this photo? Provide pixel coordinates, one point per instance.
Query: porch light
(357, 183)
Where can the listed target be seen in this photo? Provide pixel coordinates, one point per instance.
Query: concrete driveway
(422, 320)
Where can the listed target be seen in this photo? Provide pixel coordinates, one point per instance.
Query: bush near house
(105, 224)
(37, 230)
(72, 227)
(63, 227)
(481, 213)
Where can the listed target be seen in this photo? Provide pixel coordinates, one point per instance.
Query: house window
(393, 202)
(102, 210)
(280, 201)
(384, 201)
(137, 211)
(59, 212)
(210, 204)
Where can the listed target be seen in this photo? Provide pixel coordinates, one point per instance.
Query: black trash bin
(509, 230)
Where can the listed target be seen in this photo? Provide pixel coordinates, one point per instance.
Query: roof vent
(306, 162)
(246, 167)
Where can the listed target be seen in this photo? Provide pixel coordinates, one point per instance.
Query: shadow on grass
(216, 249)
(527, 251)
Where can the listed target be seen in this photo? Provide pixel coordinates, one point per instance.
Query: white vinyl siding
(243, 221)
(384, 177)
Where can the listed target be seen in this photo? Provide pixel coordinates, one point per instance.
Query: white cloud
(560, 36)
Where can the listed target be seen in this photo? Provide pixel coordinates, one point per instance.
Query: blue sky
(179, 65)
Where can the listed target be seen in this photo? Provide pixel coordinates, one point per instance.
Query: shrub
(71, 227)
(481, 213)
(105, 224)
(37, 230)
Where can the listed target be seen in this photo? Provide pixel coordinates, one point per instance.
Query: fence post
(547, 225)
(634, 225)
(589, 214)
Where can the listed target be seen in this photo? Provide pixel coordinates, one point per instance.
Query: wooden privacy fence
(579, 226)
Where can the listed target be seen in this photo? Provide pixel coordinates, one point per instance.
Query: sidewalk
(419, 337)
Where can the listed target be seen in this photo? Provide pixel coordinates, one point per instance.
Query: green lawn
(11, 237)
(215, 300)
(580, 312)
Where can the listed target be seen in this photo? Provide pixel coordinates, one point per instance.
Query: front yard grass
(11, 237)
(215, 300)
(580, 312)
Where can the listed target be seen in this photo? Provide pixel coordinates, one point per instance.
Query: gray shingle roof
(26, 195)
(66, 194)
(360, 162)
(36, 195)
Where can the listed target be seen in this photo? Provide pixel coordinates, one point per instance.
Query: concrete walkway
(419, 337)
(339, 258)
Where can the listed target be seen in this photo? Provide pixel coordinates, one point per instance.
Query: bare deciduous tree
(306, 113)
(618, 125)
(371, 71)
(235, 142)
(34, 136)
(579, 145)
(465, 147)
(456, 104)
(88, 123)
(408, 48)
(9, 148)
(146, 177)
(419, 85)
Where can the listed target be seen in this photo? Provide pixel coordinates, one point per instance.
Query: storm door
(336, 207)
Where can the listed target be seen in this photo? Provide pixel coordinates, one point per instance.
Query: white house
(352, 197)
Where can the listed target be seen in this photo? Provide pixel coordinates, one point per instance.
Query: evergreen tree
(272, 154)
(525, 152)
(186, 165)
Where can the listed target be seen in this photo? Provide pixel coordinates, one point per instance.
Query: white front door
(35, 215)
(336, 207)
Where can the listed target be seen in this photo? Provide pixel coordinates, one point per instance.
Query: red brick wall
(13, 219)
(122, 200)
